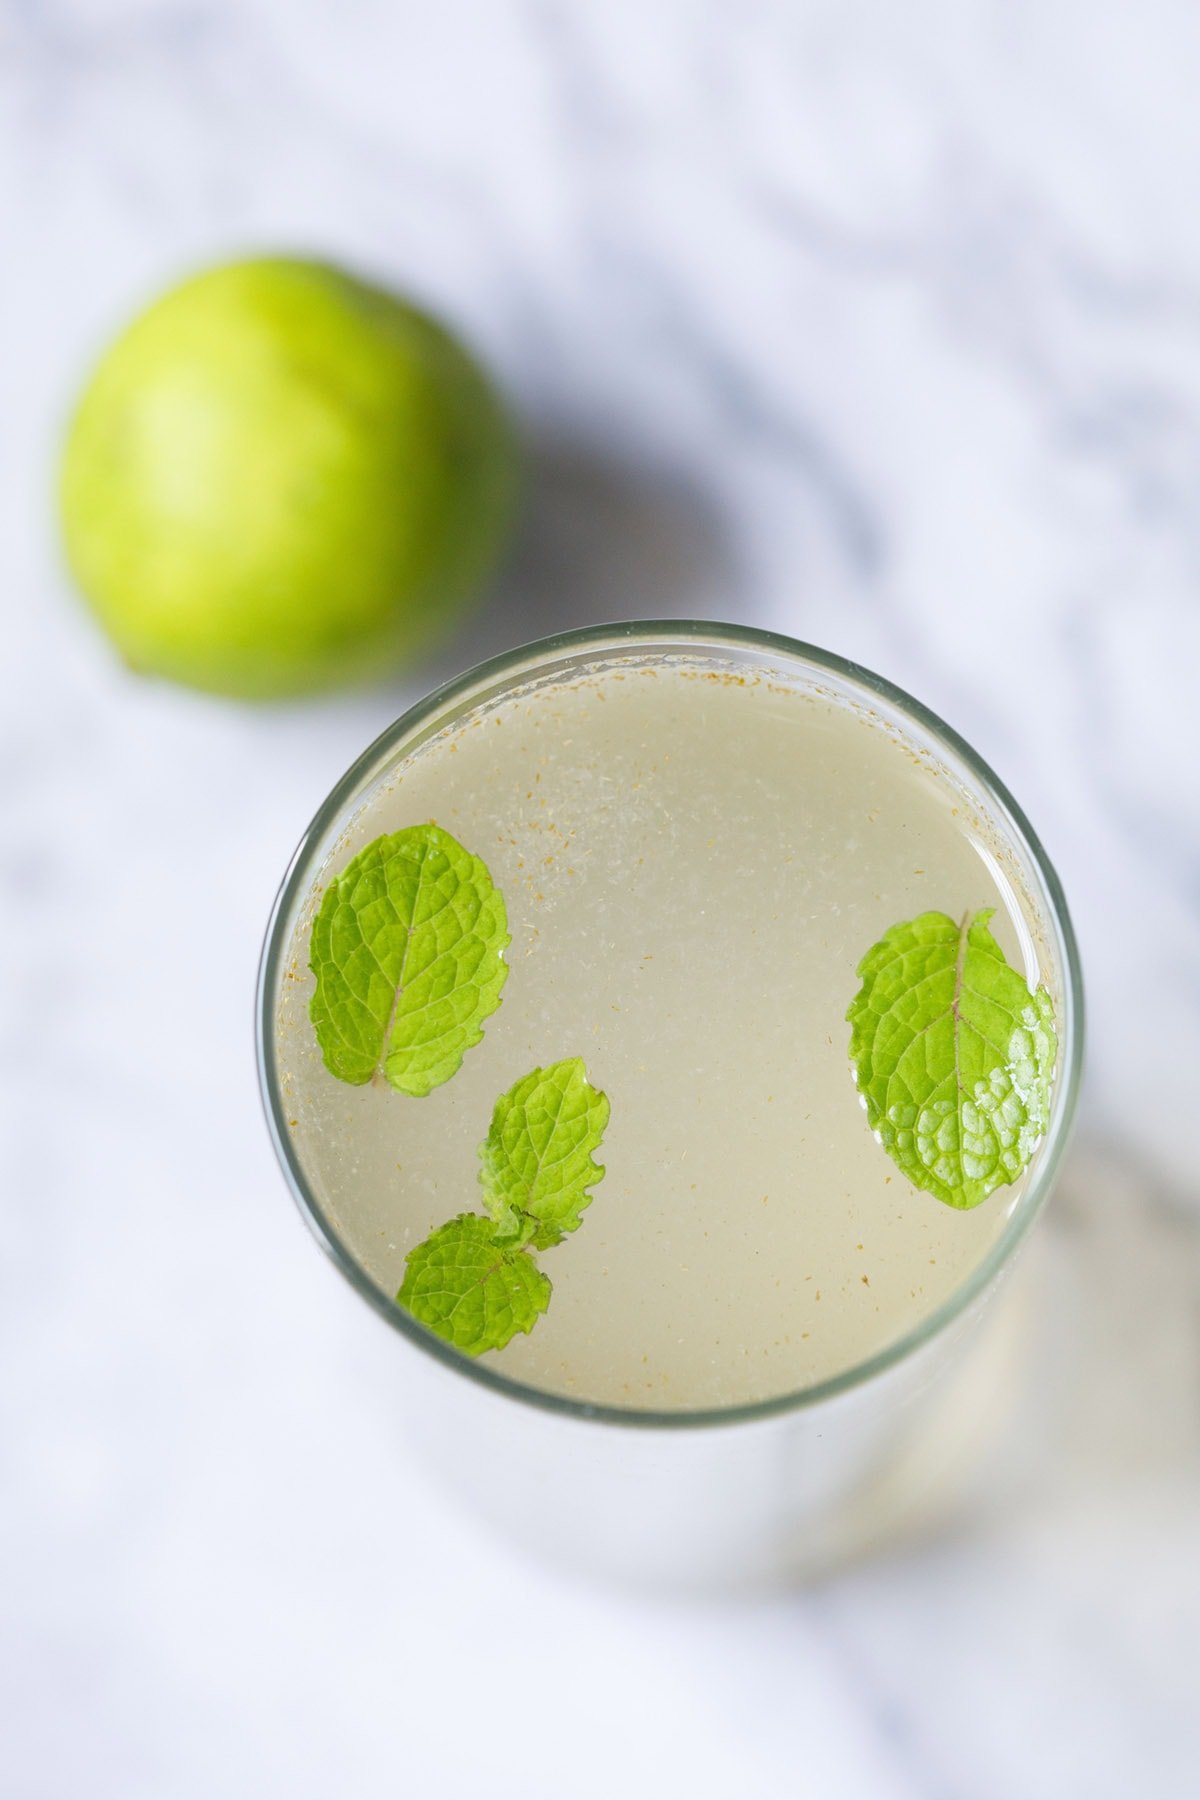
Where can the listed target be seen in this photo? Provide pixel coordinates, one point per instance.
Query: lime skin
(282, 479)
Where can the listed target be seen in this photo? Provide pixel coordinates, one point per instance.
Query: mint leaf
(470, 1290)
(408, 952)
(953, 1055)
(475, 1280)
(537, 1162)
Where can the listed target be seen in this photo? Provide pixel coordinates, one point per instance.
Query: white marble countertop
(879, 325)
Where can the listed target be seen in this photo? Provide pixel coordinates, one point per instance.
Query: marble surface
(879, 325)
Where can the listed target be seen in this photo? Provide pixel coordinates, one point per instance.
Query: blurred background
(878, 326)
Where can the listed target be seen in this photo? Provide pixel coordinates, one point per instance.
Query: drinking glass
(738, 1494)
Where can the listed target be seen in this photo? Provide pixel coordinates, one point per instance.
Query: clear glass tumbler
(745, 1494)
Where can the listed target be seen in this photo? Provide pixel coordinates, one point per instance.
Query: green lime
(281, 478)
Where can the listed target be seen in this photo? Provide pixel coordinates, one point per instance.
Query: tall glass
(743, 1493)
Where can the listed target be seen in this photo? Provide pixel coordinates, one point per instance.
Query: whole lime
(281, 478)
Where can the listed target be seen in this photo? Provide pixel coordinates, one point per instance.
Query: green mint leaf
(537, 1162)
(475, 1280)
(408, 951)
(470, 1290)
(953, 1055)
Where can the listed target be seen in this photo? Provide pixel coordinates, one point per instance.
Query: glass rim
(668, 634)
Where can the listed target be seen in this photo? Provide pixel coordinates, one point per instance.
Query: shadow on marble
(1103, 1434)
(1120, 1323)
(1097, 1455)
(1044, 1643)
(601, 539)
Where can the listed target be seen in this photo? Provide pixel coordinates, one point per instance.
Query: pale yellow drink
(693, 862)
